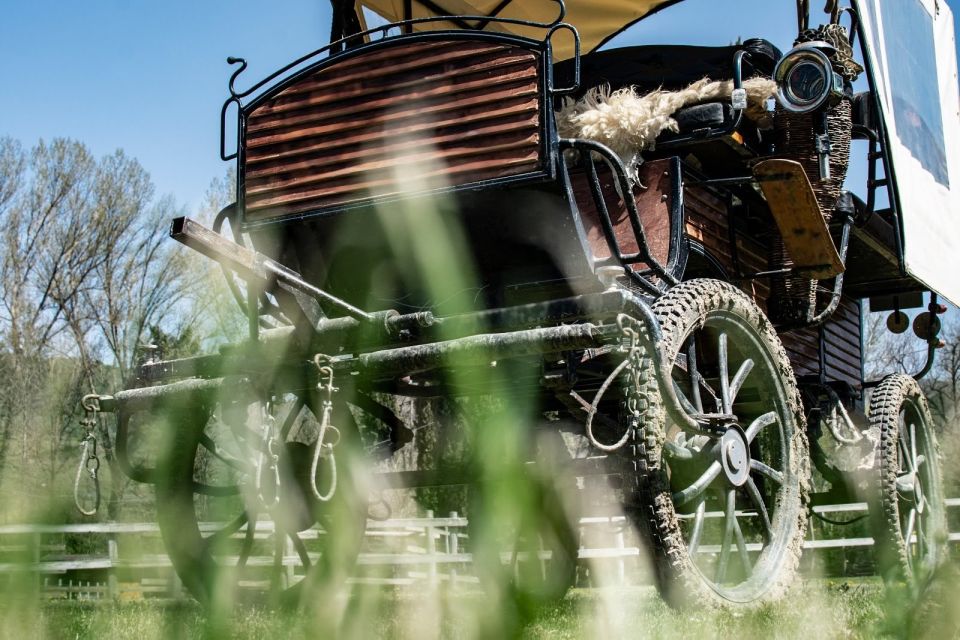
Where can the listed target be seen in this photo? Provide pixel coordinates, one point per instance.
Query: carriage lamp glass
(806, 80)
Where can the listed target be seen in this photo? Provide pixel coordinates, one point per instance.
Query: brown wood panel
(708, 223)
(448, 112)
(380, 108)
(654, 202)
(843, 354)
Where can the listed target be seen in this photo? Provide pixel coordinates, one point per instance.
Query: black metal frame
(668, 274)
(880, 136)
(716, 132)
(312, 62)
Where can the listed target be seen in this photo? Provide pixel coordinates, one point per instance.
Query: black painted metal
(668, 273)
(718, 132)
(883, 137)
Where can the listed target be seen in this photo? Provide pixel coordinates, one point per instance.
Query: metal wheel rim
(917, 465)
(762, 566)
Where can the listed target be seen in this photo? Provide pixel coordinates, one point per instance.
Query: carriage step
(797, 214)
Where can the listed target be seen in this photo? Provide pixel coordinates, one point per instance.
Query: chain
(89, 462)
(322, 448)
(633, 363)
(269, 456)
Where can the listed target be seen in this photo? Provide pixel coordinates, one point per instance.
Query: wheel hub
(735, 455)
(918, 494)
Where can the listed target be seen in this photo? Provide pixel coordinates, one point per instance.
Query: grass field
(817, 608)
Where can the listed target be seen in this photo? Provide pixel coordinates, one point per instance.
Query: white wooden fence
(418, 550)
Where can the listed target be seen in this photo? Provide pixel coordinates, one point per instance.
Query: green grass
(815, 609)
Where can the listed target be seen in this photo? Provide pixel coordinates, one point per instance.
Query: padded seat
(671, 67)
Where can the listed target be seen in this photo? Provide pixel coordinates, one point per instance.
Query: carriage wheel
(226, 538)
(523, 534)
(726, 512)
(909, 513)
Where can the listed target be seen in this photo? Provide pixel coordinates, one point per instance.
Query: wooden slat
(323, 94)
(449, 113)
(372, 115)
(473, 104)
(300, 201)
(401, 146)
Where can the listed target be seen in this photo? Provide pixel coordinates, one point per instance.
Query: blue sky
(150, 77)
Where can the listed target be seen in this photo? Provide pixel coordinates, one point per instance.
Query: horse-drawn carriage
(629, 247)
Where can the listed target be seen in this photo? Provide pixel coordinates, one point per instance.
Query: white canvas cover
(912, 51)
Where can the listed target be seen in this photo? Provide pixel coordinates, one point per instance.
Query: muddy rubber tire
(896, 404)
(706, 309)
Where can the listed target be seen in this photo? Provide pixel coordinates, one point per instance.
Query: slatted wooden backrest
(401, 118)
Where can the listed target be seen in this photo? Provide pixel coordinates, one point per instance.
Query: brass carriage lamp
(806, 80)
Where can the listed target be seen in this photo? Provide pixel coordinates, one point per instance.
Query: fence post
(453, 547)
(621, 562)
(431, 548)
(288, 570)
(176, 586)
(35, 556)
(114, 555)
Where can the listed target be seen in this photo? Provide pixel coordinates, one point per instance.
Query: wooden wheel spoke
(694, 374)
(218, 491)
(291, 416)
(725, 400)
(909, 530)
(687, 405)
(913, 446)
(730, 522)
(697, 528)
(700, 485)
(767, 470)
(902, 440)
(742, 548)
(231, 528)
(301, 549)
(754, 492)
(218, 452)
(247, 546)
(759, 423)
(739, 378)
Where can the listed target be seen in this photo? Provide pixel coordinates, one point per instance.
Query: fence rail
(431, 552)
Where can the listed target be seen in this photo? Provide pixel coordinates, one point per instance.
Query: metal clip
(268, 446)
(322, 448)
(89, 462)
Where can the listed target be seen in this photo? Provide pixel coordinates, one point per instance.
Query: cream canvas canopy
(595, 20)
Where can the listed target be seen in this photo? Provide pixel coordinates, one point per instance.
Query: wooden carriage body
(418, 227)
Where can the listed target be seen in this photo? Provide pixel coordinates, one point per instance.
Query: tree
(85, 270)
